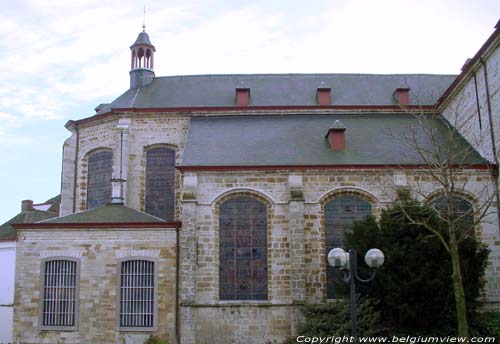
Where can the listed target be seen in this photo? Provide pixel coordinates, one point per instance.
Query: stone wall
(296, 242)
(462, 108)
(128, 136)
(98, 251)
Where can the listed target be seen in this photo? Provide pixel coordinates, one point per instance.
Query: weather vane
(144, 20)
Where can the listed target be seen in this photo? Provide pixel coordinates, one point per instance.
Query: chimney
(242, 95)
(402, 96)
(324, 95)
(336, 136)
(26, 205)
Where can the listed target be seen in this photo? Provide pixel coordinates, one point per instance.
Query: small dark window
(137, 294)
(160, 182)
(462, 213)
(59, 305)
(100, 170)
(243, 249)
(340, 213)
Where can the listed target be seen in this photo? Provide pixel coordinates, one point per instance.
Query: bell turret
(142, 60)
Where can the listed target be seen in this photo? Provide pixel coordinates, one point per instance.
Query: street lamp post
(339, 259)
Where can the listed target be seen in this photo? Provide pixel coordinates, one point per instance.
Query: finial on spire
(144, 20)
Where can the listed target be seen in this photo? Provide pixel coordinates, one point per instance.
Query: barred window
(137, 294)
(60, 294)
(340, 213)
(99, 179)
(462, 213)
(243, 249)
(160, 182)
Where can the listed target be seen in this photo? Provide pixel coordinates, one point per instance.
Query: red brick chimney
(242, 96)
(324, 95)
(402, 96)
(336, 136)
(26, 205)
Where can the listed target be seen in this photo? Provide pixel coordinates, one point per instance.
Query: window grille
(160, 182)
(243, 249)
(340, 213)
(99, 179)
(137, 293)
(59, 293)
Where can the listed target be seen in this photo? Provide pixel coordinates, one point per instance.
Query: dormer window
(324, 95)
(336, 136)
(242, 96)
(402, 96)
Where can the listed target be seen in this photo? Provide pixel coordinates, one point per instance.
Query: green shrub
(414, 287)
(486, 324)
(156, 340)
(334, 319)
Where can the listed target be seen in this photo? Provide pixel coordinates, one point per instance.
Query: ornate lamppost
(340, 259)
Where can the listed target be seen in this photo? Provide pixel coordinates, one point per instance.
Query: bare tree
(445, 162)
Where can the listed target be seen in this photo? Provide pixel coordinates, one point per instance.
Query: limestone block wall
(98, 252)
(293, 278)
(462, 109)
(138, 132)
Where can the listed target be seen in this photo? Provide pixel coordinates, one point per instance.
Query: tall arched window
(160, 182)
(340, 213)
(462, 213)
(100, 170)
(243, 249)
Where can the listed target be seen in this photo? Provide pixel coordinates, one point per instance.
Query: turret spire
(142, 59)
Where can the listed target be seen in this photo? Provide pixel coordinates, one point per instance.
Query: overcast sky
(59, 58)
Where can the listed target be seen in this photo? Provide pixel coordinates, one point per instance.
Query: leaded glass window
(462, 213)
(243, 249)
(59, 303)
(137, 294)
(340, 213)
(160, 182)
(100, 170)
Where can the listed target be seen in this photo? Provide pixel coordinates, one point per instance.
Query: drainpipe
(75, 178)
(177, 291)
(494, 172)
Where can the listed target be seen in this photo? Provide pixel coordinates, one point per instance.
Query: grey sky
(59, 58)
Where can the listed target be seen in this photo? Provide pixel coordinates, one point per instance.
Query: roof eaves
(470, 67)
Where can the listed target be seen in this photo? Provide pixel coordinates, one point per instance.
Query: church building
(201, 208)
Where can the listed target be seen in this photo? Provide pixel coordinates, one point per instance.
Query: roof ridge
(302, 74)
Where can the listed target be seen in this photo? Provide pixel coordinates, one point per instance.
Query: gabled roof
(30, 216)
(299, 140)
(198, 91)
(111, 213)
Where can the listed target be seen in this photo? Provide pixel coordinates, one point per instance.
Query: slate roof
(278, 140)
(30, 216)
(281, 90)
(110, 213)
(142, 38)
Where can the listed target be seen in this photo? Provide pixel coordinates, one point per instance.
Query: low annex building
(200, 207)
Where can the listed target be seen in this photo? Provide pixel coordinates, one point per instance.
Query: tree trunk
(458, 288)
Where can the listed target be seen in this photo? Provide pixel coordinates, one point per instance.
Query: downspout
(177, 269)
(75, 177)
(494, 172)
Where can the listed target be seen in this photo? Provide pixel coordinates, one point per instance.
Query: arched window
(100, 170)
(137, 298)
(59, 302)
(160, 182)
(340, 213)
(462, 213)
(243, 249)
